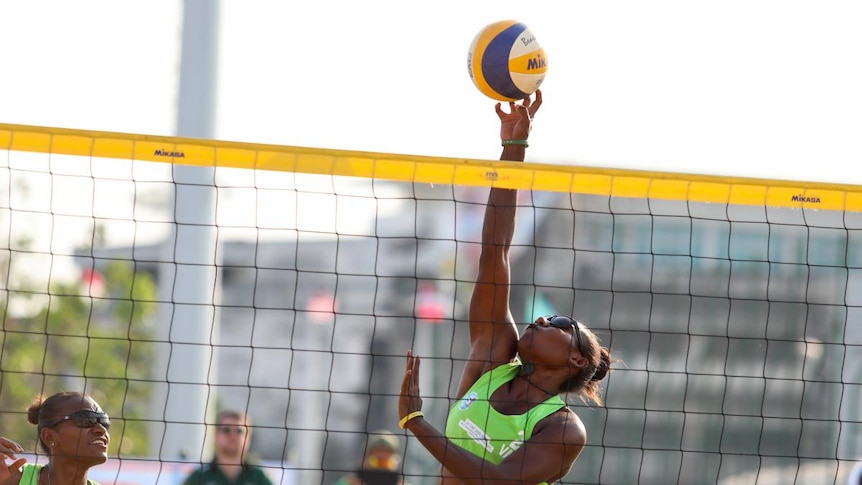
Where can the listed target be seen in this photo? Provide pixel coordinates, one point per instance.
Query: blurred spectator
(380, 463)
(230, 465)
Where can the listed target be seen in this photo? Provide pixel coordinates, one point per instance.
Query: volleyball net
(171, 278)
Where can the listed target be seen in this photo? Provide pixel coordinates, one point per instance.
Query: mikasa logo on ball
(537, 63)
(506, 62)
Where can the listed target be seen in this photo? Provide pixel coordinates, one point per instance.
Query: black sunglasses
(85, 419)
(565, 323)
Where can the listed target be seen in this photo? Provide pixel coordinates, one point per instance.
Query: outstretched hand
(410, 402)
(10, 473)
(517, 123)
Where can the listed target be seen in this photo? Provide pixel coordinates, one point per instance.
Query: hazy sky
(749, 88)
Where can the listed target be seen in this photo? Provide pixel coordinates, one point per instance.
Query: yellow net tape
(432, 170)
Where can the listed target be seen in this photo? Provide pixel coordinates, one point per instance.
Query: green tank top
(475, 425)
(30, 475)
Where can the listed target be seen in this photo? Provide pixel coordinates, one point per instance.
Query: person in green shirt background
(510, 424)
(230, 465)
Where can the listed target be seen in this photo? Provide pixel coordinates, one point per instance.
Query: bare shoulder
(554, 446)
(565, 426)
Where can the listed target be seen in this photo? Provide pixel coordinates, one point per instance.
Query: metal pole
(188, 293)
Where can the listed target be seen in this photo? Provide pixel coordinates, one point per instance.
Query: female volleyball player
(510, 425)
(73, 432)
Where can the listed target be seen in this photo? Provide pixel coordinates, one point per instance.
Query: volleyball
(506, 62)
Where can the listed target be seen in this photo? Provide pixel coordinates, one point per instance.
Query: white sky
(741, 87)
(751, 88)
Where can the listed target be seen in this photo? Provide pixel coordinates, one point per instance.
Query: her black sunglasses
(565, 323)
(85, 419)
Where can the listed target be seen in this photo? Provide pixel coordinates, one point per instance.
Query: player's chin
(525, 343)
(96, 459)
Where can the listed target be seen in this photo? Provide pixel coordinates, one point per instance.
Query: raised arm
(494, 340)
(493, 334)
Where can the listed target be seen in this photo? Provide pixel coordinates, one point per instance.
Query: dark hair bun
(604, 365)
(33, 412)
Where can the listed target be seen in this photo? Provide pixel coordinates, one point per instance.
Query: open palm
(10, 473)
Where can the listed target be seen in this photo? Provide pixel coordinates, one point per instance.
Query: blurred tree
(92, 336)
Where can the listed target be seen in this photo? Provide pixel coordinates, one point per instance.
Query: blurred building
(738, 329)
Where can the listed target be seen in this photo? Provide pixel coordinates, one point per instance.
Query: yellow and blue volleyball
(506, 62)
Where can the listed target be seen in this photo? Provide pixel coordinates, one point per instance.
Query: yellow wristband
(414, 414)
(515, 142)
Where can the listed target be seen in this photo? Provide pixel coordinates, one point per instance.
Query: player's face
(231, 437)
(565, 323)
(81, 431)
(550, 340)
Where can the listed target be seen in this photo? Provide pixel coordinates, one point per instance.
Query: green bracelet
(516, 142)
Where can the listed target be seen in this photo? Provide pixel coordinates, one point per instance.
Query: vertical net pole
(187, 273)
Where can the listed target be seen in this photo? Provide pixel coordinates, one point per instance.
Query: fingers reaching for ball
(517, 123)
(534, 106)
